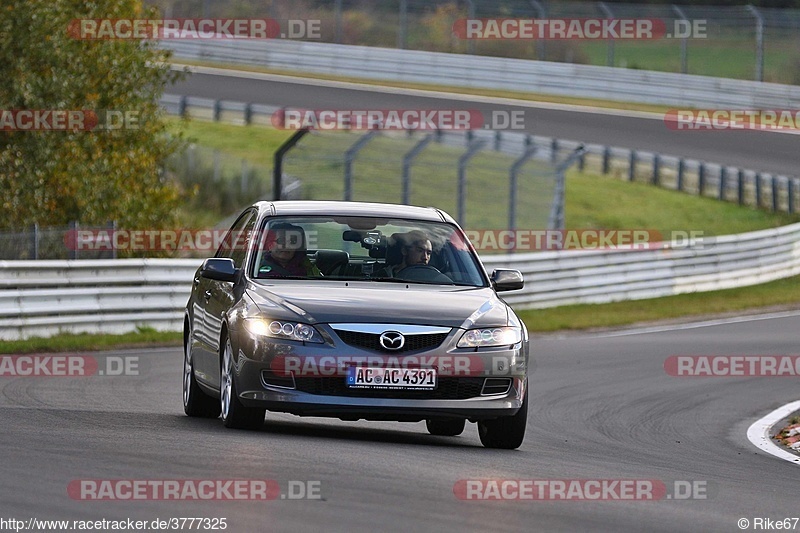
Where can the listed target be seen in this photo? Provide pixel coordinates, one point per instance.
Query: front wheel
(195, 401)
(234, 414)
(506, 432)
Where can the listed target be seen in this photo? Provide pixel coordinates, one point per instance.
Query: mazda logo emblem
(392, 340)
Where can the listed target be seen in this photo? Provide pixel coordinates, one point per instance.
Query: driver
(416, 248)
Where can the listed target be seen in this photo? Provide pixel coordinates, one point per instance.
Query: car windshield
(381, 250)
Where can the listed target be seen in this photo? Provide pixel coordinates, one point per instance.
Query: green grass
(577, 317)
(75, 342)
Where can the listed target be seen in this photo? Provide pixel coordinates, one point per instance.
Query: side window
(237, 240)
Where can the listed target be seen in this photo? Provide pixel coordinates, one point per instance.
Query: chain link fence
(742, 42)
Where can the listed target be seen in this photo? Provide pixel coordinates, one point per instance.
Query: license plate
(360, 377)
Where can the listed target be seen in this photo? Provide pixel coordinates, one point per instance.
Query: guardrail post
(723, 174)
(606, 159)
(408, 159)
(277, 166)
(217, 110)
(248, 113)
(740, 186)
(701, 178)
(182, 107)
(513, 174)
(498, 138)
(681, 170)
(632, 166)
(656, 168)
(349, 156)
(553, 150)
(790, 194)
(758, 190)
(759, 42)
(775, 193)
(473, 148)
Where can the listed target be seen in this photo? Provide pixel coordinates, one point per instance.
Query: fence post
(759, 41)
(277, 166)
(498, 139)
(540, 44)
(473, 148)
(557, 210)
(681, 170)
(248, 113)
(402, 28)
(684, 41)
(513, 174)
(337, 6)
(790, 194)
(182, 107)
(33, 251)
(73, 226)
(723, 175)
(217, 110)
(408, 159)
(349, 156)
(471, 16)
(609, 15)
(553, 150)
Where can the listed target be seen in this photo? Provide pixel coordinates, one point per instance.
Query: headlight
(283, 330)
(477, 338)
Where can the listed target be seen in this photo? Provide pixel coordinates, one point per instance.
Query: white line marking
(694, 325)
(758, 433)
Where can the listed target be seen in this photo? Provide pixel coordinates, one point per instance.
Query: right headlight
(479, 338)
(282, 329)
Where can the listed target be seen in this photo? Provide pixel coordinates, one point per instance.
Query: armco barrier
(459, 70)
(42, 298)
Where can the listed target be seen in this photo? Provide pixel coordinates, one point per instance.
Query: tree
(53, 177)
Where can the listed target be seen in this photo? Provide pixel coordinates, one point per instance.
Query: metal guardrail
(563, 79)
(44, 298)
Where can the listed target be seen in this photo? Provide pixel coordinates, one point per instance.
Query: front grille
(448, 389)
(371, 341)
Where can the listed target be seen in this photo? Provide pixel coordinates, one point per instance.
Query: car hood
(369, 302)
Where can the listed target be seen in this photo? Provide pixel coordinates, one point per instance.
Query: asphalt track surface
(600, 408)
(760, 151)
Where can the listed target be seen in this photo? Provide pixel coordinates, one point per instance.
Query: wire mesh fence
(741, 42)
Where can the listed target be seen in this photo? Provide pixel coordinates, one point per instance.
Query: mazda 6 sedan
(355, 311)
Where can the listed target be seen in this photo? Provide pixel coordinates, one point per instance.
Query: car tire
(234, 414)
(195, 402)
(506, 432)
(446, 428)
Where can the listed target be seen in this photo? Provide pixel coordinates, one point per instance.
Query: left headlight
(281, 329)
(478, 338)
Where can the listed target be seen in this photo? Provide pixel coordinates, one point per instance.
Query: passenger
(285, 253)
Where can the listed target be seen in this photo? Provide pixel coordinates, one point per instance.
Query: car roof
(334, 208)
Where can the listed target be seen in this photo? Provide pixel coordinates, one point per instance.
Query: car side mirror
(220, 269)
(504, 279)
